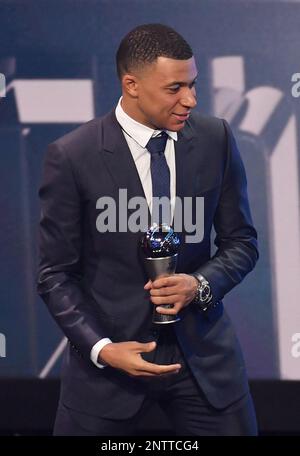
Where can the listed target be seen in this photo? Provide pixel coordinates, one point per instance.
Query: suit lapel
(119, 160)
(185, 159)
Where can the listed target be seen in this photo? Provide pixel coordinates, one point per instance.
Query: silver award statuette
(160, 248)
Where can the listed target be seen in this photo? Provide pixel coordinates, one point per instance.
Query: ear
(130, 85)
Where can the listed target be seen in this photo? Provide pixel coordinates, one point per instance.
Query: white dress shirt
(137, 136)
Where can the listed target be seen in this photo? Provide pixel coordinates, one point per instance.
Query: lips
(182, 117)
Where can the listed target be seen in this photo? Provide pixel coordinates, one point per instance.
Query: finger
(157, 300)
(168, 311)
(165, 281)
(146, 374)
(148, 285)
(148, 347)
(143, 374)
(145, 366)
(149, 374)
(167, 369)
(164, 291)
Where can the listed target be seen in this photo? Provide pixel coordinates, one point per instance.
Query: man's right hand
(127, 357)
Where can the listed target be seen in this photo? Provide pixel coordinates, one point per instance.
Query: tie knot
(157, 144)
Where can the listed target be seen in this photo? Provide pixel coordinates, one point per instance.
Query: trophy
(160, 246)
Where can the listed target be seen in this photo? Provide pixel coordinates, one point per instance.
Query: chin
(176, 127)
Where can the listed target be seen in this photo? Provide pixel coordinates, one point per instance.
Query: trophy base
(166, 321)
(163, 319)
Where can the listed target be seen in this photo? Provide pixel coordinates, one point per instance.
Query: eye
(174, 89)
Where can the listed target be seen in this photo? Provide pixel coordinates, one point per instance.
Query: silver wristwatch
(203, 297)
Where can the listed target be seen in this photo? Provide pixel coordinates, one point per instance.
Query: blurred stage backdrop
(58, 61)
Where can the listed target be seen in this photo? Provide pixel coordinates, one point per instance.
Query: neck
(130, 108)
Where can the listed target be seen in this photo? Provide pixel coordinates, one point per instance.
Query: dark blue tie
(160, 174)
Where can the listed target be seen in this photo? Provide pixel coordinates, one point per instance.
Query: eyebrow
(181, 83)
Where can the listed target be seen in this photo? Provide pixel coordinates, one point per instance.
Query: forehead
(166, 70)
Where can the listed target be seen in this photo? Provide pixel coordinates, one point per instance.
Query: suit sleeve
(236, 237)
(60, 241)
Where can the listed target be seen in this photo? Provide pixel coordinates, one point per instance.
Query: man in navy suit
(93, 281)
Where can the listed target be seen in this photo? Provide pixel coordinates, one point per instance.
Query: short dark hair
(145, 43)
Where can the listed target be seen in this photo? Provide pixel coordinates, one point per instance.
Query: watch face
(205, 293)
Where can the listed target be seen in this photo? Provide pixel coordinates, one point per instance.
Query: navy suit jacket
(93, 283)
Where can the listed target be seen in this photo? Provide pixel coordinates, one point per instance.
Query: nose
(189, 99)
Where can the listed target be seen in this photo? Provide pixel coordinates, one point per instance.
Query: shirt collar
(139, 132)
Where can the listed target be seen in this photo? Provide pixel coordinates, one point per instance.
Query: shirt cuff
(96, 349)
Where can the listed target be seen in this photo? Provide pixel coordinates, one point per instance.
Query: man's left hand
(176, 289)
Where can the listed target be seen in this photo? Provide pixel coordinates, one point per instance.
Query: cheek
(168, 105)
(173, 103)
